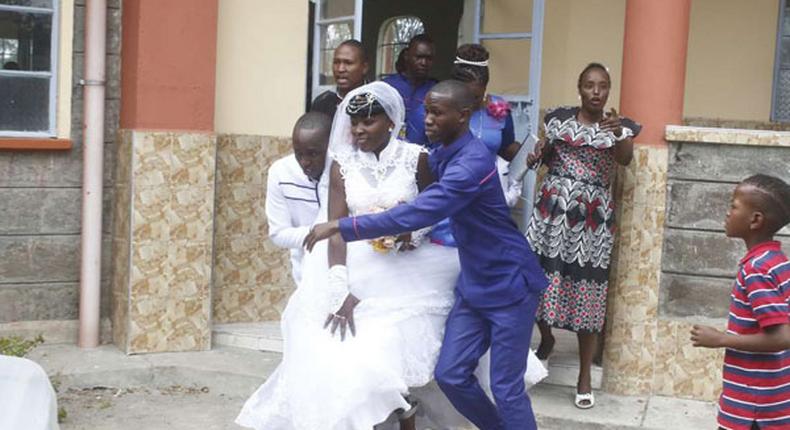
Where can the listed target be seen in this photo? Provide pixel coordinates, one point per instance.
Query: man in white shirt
(292, 200)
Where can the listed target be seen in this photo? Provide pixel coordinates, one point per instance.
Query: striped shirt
(757, 385)
(292, 205)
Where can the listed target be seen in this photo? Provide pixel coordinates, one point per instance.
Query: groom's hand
(343, 318)
(320, 232)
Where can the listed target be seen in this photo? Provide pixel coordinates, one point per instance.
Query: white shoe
(584, 401)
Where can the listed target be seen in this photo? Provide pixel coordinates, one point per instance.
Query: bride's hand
(343, 318)
(320, 232)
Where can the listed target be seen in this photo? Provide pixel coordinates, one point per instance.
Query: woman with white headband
(491, 122)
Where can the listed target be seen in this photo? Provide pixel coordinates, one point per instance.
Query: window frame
(318, 25)
(778, 61)
(52, 74)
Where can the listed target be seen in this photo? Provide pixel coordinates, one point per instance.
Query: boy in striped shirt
(756, 392)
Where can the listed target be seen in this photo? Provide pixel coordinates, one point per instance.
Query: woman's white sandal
(580, 400)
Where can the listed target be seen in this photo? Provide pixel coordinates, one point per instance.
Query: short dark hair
(773, 200)
(356, 44)
(420, 38)
(459, 93)
(468, 72)
(314, 120)
(591, 66)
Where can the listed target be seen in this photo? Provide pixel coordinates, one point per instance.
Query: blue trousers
(469, 333)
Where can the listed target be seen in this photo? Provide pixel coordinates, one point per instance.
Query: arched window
(394, 34)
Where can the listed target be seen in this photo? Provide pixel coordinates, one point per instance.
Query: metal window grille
(780, 102)
(28, 73)
(394, 35)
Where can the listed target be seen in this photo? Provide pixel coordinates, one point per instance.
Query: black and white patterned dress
(572, 225)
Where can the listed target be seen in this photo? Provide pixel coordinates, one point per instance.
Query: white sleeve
(281, 229)
(513, 192)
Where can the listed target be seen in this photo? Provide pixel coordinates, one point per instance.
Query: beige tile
(240, 210)
(150, 270)
(193, 160)
(190, 265)
(190, 215)
(237, 159)
(249, 303)
(121, 212)
(149, 214)
(152, 160)
(666, 351)
(696, 371)
(119, 301)
(123, 158)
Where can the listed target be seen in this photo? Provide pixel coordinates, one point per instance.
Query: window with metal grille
(780, 106)
(28, 64)
(394, 35)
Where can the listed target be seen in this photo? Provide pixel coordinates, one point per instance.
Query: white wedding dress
(325, 384)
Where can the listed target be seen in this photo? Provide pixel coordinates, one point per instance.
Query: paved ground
(105, 389)
(173, 408)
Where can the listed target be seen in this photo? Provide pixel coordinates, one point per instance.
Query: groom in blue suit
(501, 280)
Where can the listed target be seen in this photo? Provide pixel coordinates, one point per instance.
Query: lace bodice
(374, 185)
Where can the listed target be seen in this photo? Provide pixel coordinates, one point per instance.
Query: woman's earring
(391, 128)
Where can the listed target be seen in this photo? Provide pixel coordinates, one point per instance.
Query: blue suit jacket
(413, 100)
(498, 267)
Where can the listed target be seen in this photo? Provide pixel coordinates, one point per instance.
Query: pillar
(654, 64)
(654, 67)
(164, 205)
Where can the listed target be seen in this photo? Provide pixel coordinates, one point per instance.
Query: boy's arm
(773, 338)
(281, 229)
(769, 308)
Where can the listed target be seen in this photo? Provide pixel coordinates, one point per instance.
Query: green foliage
(16, 346)
(62, 415)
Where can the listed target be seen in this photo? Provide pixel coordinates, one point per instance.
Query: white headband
(459, 60)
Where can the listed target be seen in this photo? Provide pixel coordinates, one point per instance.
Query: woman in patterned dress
(572, 226)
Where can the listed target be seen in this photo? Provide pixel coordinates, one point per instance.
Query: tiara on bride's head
(364, 104)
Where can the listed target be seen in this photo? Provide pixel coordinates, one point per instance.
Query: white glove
(337, 284)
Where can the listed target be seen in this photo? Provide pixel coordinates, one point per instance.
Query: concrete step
(259, 336)
(233, 373)
(266, 336)
(554, 410)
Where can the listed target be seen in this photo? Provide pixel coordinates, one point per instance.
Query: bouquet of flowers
(404, 242)
(498, 108)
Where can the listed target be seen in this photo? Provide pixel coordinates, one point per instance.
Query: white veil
(340, 139)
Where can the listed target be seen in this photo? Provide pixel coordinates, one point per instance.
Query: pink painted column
(164, 180)
(641, 351)
(169, 64)
(654, 64)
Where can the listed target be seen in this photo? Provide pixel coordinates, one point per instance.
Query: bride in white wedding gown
(404, 297)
